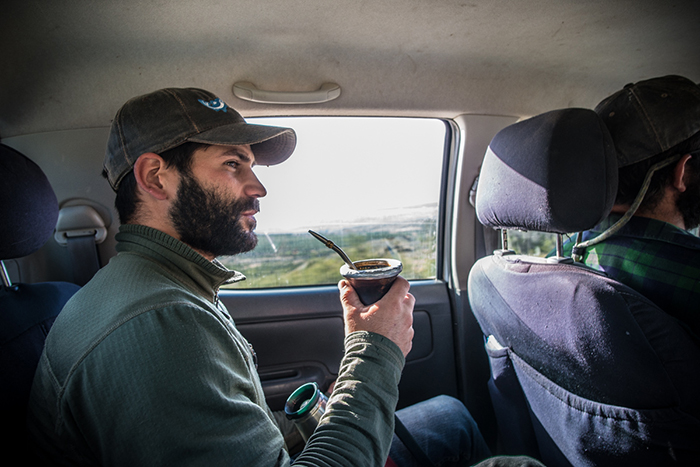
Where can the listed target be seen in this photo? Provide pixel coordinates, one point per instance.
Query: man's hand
(392, 316)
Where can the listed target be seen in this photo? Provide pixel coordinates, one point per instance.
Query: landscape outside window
(531, 243)
(370, 185)
(542, 243)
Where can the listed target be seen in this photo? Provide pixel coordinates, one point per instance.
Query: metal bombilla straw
(334, 247)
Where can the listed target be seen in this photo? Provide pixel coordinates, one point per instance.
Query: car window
(531, 243)
(370, 185)
(543, 243)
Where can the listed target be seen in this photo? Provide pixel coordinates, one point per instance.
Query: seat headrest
(556, 172)
(28, 205)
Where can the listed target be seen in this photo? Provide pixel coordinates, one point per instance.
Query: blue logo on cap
(217, 104)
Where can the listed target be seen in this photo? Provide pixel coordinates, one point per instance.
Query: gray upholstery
(28, 205)
(29, 209)
(584, 370)
(569, 185)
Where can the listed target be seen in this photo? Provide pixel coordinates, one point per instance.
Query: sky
(349, 168)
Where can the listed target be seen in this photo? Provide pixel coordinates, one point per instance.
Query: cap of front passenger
(651, 116)
(169, 117)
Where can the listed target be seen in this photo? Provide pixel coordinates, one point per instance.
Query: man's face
(688, 202)
(217, 201)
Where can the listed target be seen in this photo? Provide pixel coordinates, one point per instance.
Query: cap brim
(270, 144)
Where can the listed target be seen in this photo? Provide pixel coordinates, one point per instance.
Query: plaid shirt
(657, 259)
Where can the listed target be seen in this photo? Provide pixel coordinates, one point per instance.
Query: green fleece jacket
(144, 366)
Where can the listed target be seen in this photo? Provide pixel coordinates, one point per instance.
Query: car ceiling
(71, 64)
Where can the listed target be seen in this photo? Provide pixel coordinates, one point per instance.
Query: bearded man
(144, 366)
(645, 243)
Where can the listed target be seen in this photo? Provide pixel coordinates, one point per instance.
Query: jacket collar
(177, 256)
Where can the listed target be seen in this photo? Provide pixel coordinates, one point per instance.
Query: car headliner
(71, 64)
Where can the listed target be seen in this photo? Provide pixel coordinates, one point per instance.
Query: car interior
(415, 123)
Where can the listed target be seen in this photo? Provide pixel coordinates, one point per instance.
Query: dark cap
(651, 116)
(167, 118)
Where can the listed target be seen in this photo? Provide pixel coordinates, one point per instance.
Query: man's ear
(680, 173)
(153, 176)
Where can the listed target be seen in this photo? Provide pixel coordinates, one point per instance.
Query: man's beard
(688, 203)
(209, 223)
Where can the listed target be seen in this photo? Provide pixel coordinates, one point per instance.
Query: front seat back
(28, 209)
(584, 370)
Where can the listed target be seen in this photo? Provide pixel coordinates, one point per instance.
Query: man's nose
(254, 188)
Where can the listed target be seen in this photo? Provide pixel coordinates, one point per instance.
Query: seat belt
(409, 441)
(80, 229)
(84, 257)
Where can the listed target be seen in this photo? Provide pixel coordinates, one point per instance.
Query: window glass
(543, 243)
(370, 185)
(531, 243)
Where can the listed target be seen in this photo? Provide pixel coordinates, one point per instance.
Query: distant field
(531, 243)
(293, 259)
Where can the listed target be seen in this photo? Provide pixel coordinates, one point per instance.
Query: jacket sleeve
(357, 427)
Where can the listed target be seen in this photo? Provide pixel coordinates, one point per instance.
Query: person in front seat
(144, 366)
(655, 126)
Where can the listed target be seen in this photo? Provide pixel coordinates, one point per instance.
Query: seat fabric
(29, 209)
(585, 371)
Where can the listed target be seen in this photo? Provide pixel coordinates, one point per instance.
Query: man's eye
(233, 164)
